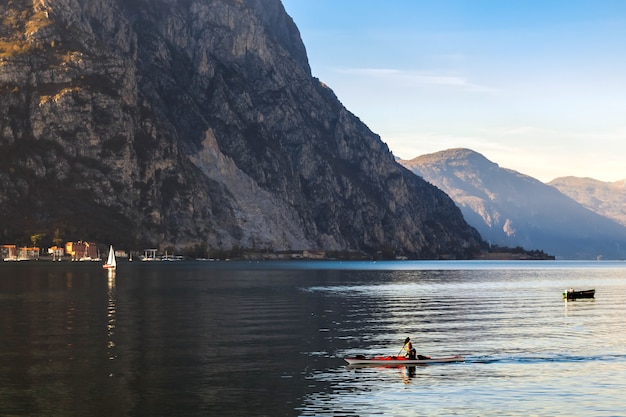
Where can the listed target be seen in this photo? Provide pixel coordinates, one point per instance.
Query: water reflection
(511, 321)
(111, 312)
(406, 373)
(183, 339)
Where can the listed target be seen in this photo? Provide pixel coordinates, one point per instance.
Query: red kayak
(401, 360)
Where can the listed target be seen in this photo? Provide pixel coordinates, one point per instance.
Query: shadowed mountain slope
(186, 122)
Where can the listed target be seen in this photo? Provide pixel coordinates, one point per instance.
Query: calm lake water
(268, 339)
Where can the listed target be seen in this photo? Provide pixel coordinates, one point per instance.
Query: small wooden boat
(400, 360)
(571, 294)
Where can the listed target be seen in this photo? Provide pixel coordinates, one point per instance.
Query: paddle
(407, 340)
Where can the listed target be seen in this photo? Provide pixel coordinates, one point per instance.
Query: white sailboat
(110, 263)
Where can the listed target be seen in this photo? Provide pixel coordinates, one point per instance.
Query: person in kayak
(411, 353)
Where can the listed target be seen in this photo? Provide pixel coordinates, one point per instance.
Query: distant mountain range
(605, 198)
(568, 218)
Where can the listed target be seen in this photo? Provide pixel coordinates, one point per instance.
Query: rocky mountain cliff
(608, 199)
(512, 209)
(185, 122)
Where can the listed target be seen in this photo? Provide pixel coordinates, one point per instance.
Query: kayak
(400, 360)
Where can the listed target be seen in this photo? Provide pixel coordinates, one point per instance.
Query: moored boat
(571, 294)
(400, 360)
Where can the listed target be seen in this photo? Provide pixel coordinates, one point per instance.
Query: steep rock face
(512, 209)
(608, 199)
(195, 121)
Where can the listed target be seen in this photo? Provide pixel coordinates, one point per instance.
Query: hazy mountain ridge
(512, 209)
(605, 198)
(186, 121)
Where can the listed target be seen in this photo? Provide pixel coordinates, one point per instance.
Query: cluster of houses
(75, 251)
(13, 253)
(88, 251)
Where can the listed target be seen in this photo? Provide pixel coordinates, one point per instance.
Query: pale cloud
(454, 58)
(415, 78)
(609, 139)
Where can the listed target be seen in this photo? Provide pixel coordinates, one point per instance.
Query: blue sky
(535, 86)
